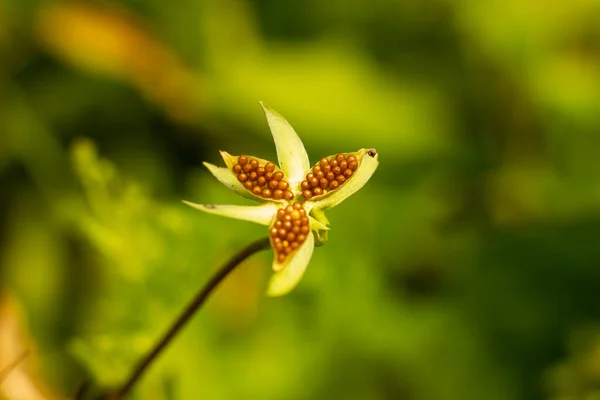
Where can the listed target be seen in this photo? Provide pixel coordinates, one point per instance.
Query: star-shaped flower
(293, 196)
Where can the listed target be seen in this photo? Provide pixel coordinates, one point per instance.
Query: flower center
(289, 230)
(328, 174)
(262, 180)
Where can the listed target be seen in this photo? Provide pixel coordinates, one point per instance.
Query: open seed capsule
(289, 230)
(261, 178)
(329, 174)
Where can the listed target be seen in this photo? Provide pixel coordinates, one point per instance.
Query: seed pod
(289, 230)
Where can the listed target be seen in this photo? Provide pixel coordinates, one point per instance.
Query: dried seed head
(289, 230)
(328, 174)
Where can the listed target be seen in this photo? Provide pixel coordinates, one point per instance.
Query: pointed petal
(262, 214)
(228, 178)
(292, 156)
(368, 163)
(287, 278)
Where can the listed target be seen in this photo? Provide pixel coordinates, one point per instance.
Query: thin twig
(187, 314)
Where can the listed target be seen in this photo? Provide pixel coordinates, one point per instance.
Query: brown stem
(186, 315)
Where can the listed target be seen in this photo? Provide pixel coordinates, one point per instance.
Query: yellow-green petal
(228, 178)
(368, 163)
(262, 214)
(292, 156)
(292, 270)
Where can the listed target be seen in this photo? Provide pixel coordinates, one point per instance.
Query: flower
(293, 196)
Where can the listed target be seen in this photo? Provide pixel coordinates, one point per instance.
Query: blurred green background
(468, 268)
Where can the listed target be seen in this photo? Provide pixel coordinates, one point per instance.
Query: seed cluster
(328, 175)
(262, 180)
(289, 230)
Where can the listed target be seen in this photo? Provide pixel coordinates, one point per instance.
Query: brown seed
(317, 191)
(242, 160)
(287, 250)
(273, 232)
(348, 173)
(288, 195)
(273, 184)
(305, 185)
(278, 247)
(280, 258)
(330, 176)
(323, 162)
(301, 238)
(343, 165)
(334, 185)
(307, 194)
(268, 176)
(314, 182)
(326, 169)
(278, 224)
(352, 165)
(287, 225)
(295, 214)
(340, 178)
(278, 176)
(302, 212)
(304, 220)
(289, 209)
(261, 181)
(295, 245)
(254, 163)
(336, 170)
(316, 169)
(253, 176)
(285, 243)
(287, 217)
(296, 222)
(237, 168)
(260, 171)
(281, 233)
(304, 229)
(333, 163)
(296, 229)
(248, 185)
(283, 185)
(290, 237)
(256, 189)
(242, 177)
(277, 194)
(247, 168)
(319, 175)
(350, 159)
(269, 167)
(323, 183)
(309, 176)
(266, 192)
(297, 205)
(340, 157)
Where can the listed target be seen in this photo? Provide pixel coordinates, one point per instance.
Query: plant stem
(187, 314)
